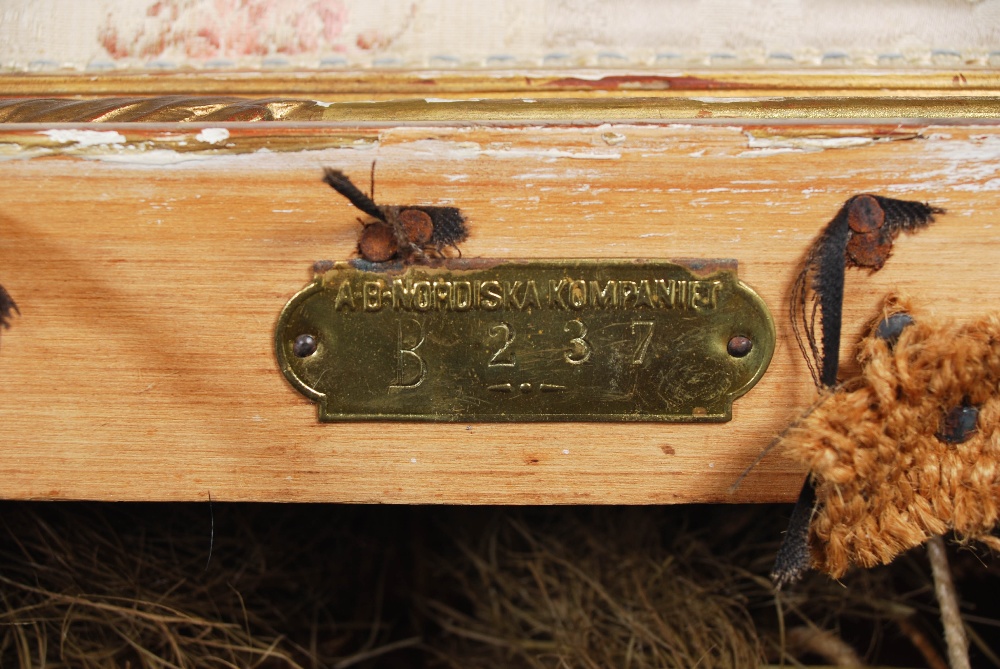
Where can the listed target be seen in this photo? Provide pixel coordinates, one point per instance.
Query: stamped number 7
(645, 332)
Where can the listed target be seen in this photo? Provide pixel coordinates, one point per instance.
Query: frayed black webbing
(793, 558)
(340, 183)
(450, 228)
(905, 215)
(818, 295)
(828, 285)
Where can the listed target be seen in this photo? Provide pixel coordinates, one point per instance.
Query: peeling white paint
(146, 155)
(84, 137)
(550, 174)
(212, 135)
(769, 146)
(550, 155)
(971, 165)
(153, 158)
(613, 138)
(724, 189)
(440, 148)
(991, 185)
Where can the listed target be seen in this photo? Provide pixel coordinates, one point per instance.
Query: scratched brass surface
(540, 340)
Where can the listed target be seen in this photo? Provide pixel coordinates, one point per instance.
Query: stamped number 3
(581, 348)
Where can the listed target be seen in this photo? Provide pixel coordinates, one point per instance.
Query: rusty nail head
(377, 243)
(417, 225)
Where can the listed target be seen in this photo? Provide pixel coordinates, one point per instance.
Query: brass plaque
(532, 340)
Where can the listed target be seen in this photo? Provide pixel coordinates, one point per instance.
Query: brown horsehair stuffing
(886, 479)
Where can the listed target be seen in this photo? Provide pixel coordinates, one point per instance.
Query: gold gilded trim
(181, 109)
(165, 109)
(330, 85)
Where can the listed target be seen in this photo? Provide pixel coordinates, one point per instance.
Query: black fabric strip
(340, 183)
(793, 558)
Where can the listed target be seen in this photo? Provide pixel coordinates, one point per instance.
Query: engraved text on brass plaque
(539, 340)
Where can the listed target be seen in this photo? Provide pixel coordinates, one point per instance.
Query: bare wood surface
(150, 266)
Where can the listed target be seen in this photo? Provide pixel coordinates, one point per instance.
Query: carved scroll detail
(164, 109)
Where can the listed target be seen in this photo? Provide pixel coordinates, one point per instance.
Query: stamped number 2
(503, 357)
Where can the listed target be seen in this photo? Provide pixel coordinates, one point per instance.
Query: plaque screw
(304, 346)
(739, 346)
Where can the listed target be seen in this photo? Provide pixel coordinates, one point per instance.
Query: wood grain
(150, 272)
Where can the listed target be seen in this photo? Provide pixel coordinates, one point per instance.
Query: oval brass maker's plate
(525, 340)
